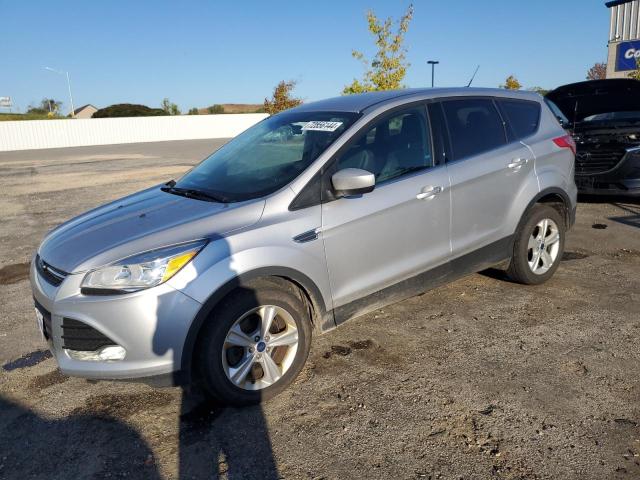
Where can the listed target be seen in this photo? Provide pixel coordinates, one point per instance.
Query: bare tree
(597, 72)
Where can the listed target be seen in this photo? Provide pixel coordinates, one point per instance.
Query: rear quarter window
(475, 126)
(562, 119)
(523, 117)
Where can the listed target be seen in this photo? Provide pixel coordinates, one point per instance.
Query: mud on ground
(482, 378)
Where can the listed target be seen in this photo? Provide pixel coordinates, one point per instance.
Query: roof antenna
(473, 76)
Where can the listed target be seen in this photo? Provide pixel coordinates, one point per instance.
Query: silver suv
(314, 216)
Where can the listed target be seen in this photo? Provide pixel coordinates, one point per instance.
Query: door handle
(517, 163)
(429, 192)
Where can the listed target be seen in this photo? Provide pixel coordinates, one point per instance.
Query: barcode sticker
(319, 126)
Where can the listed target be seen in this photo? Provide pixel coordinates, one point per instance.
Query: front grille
(51, 274)
(598, 160)
(79, 336)
(46, 320)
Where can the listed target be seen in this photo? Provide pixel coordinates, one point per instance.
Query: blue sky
(202, 52)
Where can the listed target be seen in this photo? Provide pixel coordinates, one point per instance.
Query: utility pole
(73, 113)
(433, 64)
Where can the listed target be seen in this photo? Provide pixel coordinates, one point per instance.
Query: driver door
(397, 231)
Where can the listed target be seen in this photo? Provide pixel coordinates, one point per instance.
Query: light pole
(73, 113)
(433, 64)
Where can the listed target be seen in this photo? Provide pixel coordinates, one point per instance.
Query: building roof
(615, 3)
(79, 109)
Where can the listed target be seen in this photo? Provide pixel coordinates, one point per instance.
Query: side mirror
(353, 181)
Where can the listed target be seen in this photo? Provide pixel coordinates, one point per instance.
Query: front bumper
(609, 186)
(151, 325)
(623, 179)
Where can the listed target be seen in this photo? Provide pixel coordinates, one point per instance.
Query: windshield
(613, 116)
(267, 156)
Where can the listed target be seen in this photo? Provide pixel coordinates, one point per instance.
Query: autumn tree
(387, 69)
(597, 72)
(282, 98)
(511, 83)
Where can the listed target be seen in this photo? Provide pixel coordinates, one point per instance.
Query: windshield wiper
(194, 193)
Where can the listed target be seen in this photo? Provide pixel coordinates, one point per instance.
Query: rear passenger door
(488, 167)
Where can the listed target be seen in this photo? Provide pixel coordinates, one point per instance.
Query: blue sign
(628, 55)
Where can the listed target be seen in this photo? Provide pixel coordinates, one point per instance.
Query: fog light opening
(105, 354)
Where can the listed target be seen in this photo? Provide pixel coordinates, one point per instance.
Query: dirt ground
(479, 379)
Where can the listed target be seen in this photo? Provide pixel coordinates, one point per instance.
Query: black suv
(604, 118)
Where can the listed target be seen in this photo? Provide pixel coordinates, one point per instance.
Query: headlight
(144, 270)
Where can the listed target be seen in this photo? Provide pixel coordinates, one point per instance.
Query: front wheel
(538, 246)
(255, 344)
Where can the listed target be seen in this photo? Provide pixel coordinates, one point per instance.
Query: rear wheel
(255, 344)
(538, 246)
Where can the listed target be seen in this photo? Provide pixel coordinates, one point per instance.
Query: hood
(143, 221)
(581, 100)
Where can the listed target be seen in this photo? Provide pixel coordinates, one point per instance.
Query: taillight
(566, 141)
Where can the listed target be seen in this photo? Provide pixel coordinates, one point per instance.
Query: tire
(245, 310)
(530, 245)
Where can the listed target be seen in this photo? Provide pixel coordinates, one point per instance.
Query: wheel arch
(322, 319)
(555, 197)
(559, 200)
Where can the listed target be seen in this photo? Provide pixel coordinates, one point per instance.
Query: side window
(394, 146)
(562, 119)
(523, 117)
(475, 126)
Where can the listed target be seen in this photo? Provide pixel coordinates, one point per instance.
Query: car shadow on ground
(631, 205)
(225, 443)
(633, 219)
(215, 442)
(78, 446)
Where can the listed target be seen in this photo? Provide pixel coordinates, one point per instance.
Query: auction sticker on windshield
(319, 126)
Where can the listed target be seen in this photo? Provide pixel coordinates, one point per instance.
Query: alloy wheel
(260, 347)
(543, 246)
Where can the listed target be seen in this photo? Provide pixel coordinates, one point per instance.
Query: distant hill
(237, 108)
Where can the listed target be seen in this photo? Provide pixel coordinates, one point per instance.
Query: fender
(326, 318)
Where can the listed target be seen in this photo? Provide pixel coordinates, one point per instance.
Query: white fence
(36, 134)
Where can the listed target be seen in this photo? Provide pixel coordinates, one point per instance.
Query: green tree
(47, 106)
(540, 90)
(511, 83)
(193, 111)
(635, 74)
(282, 98)
(597, 72)
(215, 109)
(387, 69)
(128, 110)
(169, 107)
